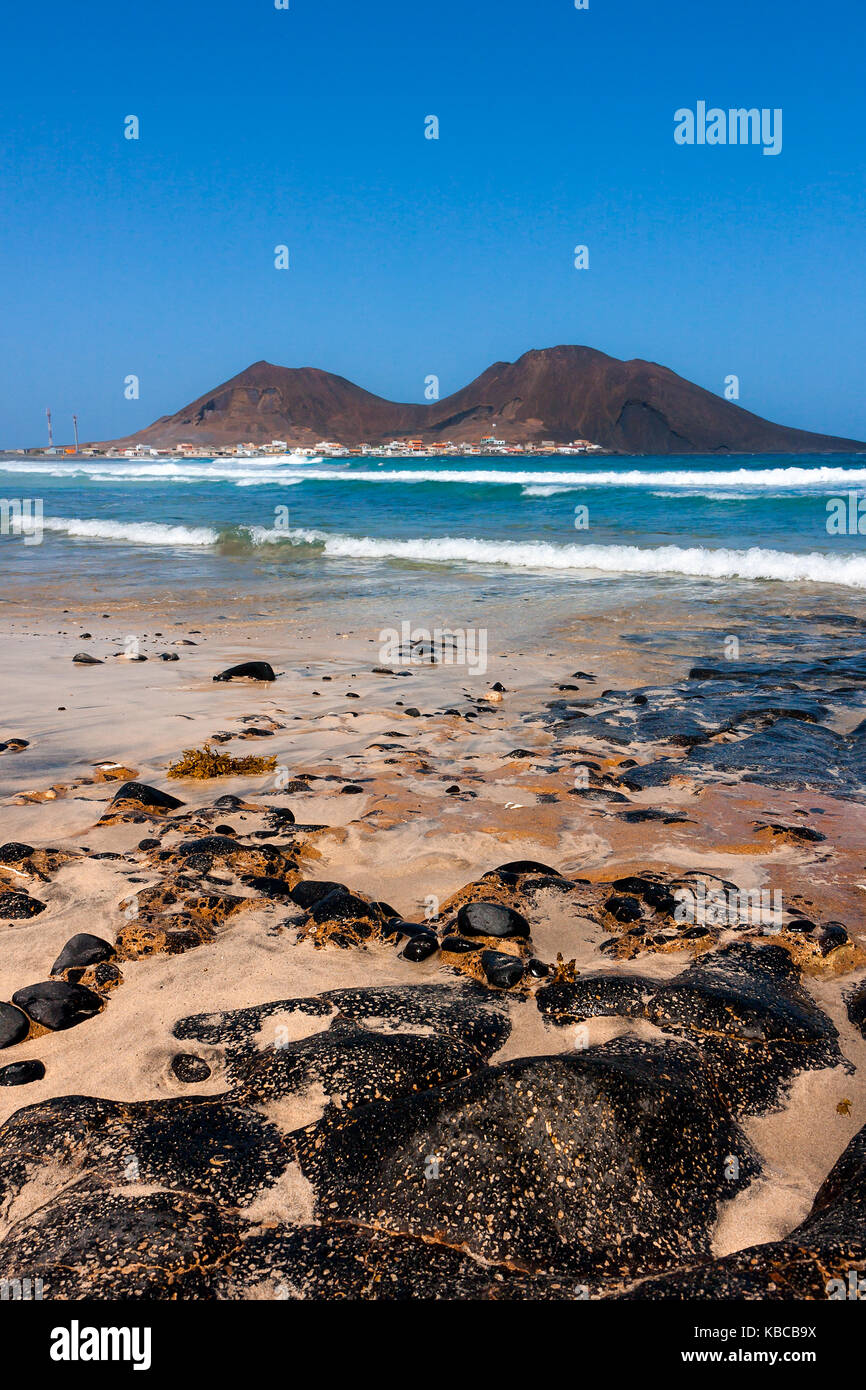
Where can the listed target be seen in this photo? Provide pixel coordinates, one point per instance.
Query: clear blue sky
(410, 256)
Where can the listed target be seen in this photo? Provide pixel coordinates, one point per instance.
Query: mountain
(559, 393)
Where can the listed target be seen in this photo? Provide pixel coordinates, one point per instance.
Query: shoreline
(399, 836)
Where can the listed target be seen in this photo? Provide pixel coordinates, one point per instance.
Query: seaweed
(204, 762)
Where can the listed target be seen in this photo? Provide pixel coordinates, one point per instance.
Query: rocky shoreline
(546, 1079)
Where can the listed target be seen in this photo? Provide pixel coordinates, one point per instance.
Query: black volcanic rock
(583, 1165)
(82, 950)
(470, 1015)
(14, 852)
(248, 670)
(79, 1243)
(822, 1258)
(56, 1004)
(743, 1007)
(189, 1068)
(560, 393)
(502, 970)
(22, 1073)
(16, 906)
(146, 796)
(491, 919)
(14, 1025)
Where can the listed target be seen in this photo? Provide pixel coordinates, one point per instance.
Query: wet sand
(401, 836)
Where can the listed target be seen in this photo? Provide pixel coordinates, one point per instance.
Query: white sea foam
(241, 473)
(544, 491)
(138, 532)
(694, 561)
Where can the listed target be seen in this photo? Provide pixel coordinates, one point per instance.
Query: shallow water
(550, 527)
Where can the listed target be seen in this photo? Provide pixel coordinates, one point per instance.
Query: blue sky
(409, 256)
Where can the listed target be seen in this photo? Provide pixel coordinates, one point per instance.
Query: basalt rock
(207, 1145)
(502, 970)
(491, 919)
(80, 951)
(779, 712)
(18, 907)
(343, 918)
(602, 1164)
(248, 670)
(420, 946)
(333, 1262)
(57, 1005)
(189, 1068)
(743, 1007)
(14, 852)
(14, 1025)
(21, 1073)
(856, 1005)
(80, 1243)
(822, 1258)
(350, 1065)
(311, 891)
(144, 795)
(266, 887)
(463, 1012)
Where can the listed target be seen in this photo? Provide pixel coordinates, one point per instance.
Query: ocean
(375, 525)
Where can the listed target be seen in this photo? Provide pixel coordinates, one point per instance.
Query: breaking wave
(693, 561)
(242, 474)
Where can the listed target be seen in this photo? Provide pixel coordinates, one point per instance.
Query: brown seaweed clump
(204, 763)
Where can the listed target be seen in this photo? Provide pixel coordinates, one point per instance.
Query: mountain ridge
(560, 394)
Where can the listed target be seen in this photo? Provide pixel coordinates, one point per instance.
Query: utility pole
(50, 431)
(75, 430)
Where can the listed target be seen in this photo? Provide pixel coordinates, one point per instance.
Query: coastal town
(279, 450)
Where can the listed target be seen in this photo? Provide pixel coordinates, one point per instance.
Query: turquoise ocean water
(338, 526)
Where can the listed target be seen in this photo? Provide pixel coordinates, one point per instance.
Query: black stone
(527, 866)
(311, 891)
(251, 670)
(638, 1129)
(833, 935)
(502, 970)
(56, 1004)
(14, 1025)
(189, 1068)
(20, 1073)
(266, 887)
(491, 919)
(624, 908)
(420, 946)
(856, 1005)
(14, 852)
(17, 906)
(146, 796)
(213, 846)
(82, 950)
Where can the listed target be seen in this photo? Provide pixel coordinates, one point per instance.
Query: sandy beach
(380, 782)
